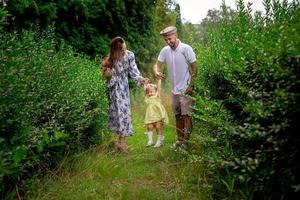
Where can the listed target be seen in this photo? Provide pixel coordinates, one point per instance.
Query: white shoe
(159, 142)
(149, 143)
(150, 138)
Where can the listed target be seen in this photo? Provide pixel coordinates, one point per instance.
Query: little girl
(156, 114)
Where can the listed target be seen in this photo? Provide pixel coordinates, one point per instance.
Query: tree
(86, 25)
(178, 23)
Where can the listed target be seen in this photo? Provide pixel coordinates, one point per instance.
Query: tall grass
(144, 173)
(247, 103)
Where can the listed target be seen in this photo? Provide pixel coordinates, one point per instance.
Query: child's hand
(158, 75)
(145, 81)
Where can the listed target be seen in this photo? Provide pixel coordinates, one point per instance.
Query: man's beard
(172, 45)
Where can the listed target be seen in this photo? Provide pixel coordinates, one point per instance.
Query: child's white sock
(160, 139)
(150, 138)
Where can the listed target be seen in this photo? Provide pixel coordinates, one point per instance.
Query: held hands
(145, 81)
(158, 75)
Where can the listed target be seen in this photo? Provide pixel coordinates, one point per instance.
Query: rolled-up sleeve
(191, 55)
(162, 55)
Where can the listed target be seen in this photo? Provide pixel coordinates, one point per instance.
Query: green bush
(53, 102)
(248, 94)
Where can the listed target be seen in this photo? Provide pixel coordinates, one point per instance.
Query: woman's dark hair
(116, 45)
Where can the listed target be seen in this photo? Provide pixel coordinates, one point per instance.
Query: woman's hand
(107, 72)
(144, 81)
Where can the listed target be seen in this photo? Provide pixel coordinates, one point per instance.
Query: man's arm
(157, 69)
(194, 72)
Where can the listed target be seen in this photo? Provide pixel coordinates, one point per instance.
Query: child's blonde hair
(148, 86)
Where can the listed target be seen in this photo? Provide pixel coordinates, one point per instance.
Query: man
(179, 58)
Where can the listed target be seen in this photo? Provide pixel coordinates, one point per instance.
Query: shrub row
(247, 103)
(53, 102)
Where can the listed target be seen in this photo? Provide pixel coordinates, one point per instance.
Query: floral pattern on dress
(119, 116)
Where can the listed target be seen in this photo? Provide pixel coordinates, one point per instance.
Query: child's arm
(158, 86)
(145, 90)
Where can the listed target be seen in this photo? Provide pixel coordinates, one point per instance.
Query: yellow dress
(155, 111)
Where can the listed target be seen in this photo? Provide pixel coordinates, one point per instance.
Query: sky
(195, 10)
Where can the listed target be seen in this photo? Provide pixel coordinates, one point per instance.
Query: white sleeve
(162, 56)
(191, 55)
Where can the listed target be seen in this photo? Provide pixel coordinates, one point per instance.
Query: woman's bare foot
(122, 147)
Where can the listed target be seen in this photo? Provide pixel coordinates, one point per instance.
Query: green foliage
(52, 102)
(164, 14)
(87, 25)
(3, 17)
(248, 94)
(178, 23)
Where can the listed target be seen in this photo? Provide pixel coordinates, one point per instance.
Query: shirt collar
(179, 43)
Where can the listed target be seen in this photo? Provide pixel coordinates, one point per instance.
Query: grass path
(144, 173)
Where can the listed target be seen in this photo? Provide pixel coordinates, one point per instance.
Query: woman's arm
(133, 70)
(107, 72)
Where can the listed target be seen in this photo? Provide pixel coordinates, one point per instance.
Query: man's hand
(189, 91)
(158, 75)
(156, 69)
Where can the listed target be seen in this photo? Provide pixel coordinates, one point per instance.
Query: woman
(117, 67)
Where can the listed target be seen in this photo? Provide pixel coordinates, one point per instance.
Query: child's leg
(150, 134)
(158, 126)
(160, 137)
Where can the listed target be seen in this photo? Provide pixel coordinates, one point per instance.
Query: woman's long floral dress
(119, 120)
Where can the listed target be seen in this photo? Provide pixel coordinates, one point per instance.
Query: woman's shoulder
(129, 54)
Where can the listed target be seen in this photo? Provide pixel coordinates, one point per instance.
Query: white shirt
(178, 62)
